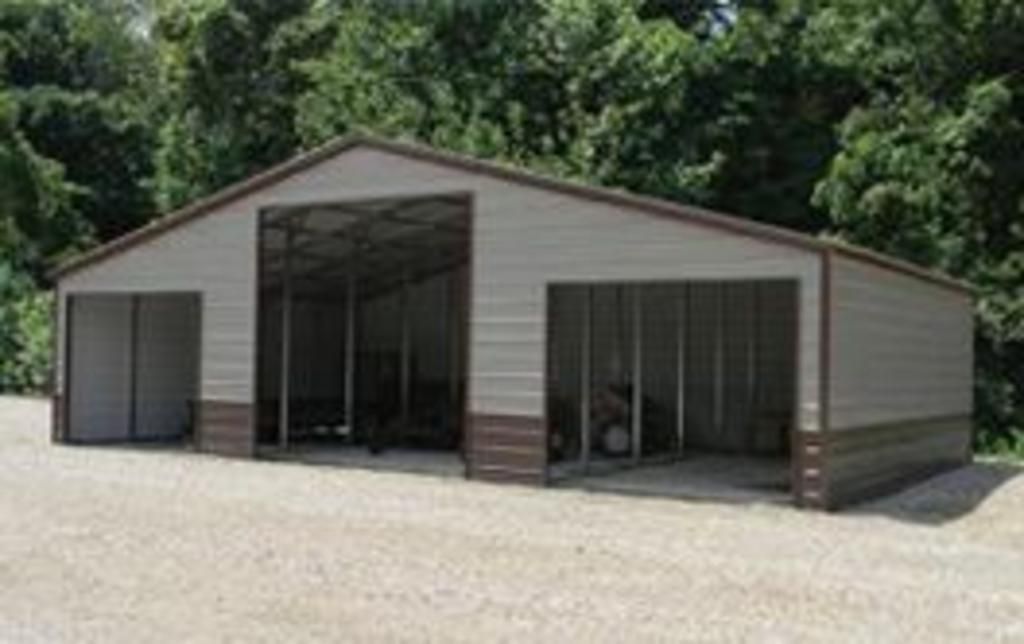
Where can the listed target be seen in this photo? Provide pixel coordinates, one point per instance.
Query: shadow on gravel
(946, 497)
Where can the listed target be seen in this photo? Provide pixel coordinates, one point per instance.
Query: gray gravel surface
(130, 545)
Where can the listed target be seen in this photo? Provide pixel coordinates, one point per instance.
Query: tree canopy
(895, 124)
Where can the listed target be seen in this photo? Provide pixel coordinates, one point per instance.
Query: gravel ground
(113, 544)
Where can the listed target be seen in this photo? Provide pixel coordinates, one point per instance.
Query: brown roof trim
(650, 205)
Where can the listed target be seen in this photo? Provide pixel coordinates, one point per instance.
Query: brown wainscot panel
(507, 449)
(808, 470)
(842, 467)
(57, 419)
(226, 428)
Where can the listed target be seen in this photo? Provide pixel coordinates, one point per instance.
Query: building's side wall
(901, 379)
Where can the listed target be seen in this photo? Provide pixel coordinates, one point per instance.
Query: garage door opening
(363, 330)
(132, 373)
(677, 388)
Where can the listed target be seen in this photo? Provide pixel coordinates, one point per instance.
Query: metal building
(383, 295)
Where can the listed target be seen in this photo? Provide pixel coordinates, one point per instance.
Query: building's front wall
(898, 358)
(901, 378)
(523, 239)
(215, 257)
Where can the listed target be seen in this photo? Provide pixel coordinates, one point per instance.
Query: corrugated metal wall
(523, 239)
(134, 366)
(99, 405)
(215, 257)
(166, 364)
(901, 349)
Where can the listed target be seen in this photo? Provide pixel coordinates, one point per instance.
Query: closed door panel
(167, 344)
(100, 368)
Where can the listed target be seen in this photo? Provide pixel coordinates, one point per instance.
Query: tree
(74, 157)
(230, 87)
(929, 166)
(33, 226)
(76, 71)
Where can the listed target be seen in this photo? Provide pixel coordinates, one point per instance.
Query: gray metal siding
(213, 256)
(524, 238)
(901, 349)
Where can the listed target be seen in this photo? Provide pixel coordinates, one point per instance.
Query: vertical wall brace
(586, 346)
(69, 301)
(682, 319)
(637, 404)
(719, 360)
(406, 353)
(286, 342)
(350, 347)
(133, 420)
(452, 336)
(752, 359)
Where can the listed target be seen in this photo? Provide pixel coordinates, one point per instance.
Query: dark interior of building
(362, 324)
(664, 372)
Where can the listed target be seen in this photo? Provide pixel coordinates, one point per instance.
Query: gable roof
(626, 200)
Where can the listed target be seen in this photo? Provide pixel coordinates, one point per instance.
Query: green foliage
(74, 71)
(896, 124)
(34, 218)
(929, 166)
(1006, 444)
(25, 334)
(229, 88)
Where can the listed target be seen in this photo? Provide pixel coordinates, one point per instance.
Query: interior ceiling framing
(384, 241)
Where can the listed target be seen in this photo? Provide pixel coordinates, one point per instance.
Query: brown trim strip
(648, 205)
(56, 413)
(56, 419)
(66, 387)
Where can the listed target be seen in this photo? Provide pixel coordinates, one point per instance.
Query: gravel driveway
(113, 544)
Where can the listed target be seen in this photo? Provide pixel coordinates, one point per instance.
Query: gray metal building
(380, 293)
